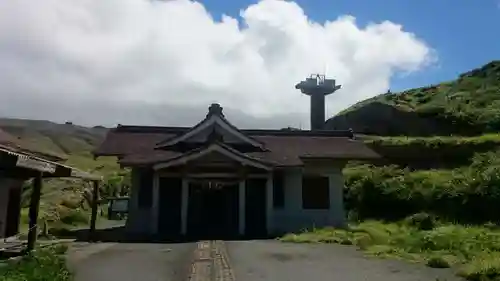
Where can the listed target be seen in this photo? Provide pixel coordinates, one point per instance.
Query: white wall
(292, 217)
(138, 219)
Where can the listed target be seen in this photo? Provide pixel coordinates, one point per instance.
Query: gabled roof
(214, 125)
(217, 148)
(285, 149)
(150, 145)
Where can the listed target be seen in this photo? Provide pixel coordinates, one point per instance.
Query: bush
(438, 262)
(61, 232)
(42, 265)
(422, 221)
(467, 194)
(74, 217)
(70, 203)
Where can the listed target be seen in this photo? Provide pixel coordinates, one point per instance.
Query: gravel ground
(277, 261)
(131, 262)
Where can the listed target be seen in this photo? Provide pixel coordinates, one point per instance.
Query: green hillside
(66, 200)
(439, 146)
(469, 105)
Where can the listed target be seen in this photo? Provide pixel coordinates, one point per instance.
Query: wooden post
(269, 203)
(184, 206)
(241, 206)
(95, 203)
(33, 211)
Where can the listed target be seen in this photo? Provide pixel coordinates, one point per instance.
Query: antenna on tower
(317, 86)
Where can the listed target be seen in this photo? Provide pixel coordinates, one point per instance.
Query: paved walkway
(239, 260)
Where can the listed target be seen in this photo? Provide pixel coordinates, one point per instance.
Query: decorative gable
(214, 127)
(212, 154)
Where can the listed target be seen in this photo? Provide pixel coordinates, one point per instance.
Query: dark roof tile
(286, 148)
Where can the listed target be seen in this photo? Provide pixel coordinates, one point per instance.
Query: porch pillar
(33, 212)
(269, 203)
(184, 205)
(241, 207)
(93, 215)
(336, 190)
(155, 206)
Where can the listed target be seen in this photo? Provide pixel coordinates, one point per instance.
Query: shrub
(422, 221)
(74, 217)
(45, 264)
(61, 232)
(467, 194)
(70, 203)
(438, 262)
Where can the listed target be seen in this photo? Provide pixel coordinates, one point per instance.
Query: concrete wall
(292, 217)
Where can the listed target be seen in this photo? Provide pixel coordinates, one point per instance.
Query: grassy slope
(469, 105)
(62, 198)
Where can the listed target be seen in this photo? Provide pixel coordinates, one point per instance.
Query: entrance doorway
(255, 208)
(213, 208)
(170, 192)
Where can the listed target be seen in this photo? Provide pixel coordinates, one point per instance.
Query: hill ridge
(468, 105)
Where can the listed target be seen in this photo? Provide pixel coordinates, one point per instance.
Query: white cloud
(140, 58)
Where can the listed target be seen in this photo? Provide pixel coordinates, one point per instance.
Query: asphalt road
(241, 261)
(276, 261)
(131, 262)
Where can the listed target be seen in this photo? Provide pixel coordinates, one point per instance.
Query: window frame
(321, 198)
(278, 190)
(145, 189)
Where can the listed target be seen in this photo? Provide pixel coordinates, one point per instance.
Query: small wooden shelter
(18, 166)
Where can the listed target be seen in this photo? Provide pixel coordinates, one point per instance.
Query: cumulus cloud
(164, 62)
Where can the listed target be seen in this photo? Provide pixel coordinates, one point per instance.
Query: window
(278, 189)
(145, 192)
(315, 192)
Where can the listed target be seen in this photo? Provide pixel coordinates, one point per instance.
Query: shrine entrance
(213, 208)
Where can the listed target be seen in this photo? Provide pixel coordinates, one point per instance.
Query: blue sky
(163, 62)
(465, 33)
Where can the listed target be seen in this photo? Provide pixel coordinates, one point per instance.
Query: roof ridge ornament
(215, 109)
(214, 120)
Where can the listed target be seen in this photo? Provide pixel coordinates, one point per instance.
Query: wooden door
(255, 208)
(169, 224)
